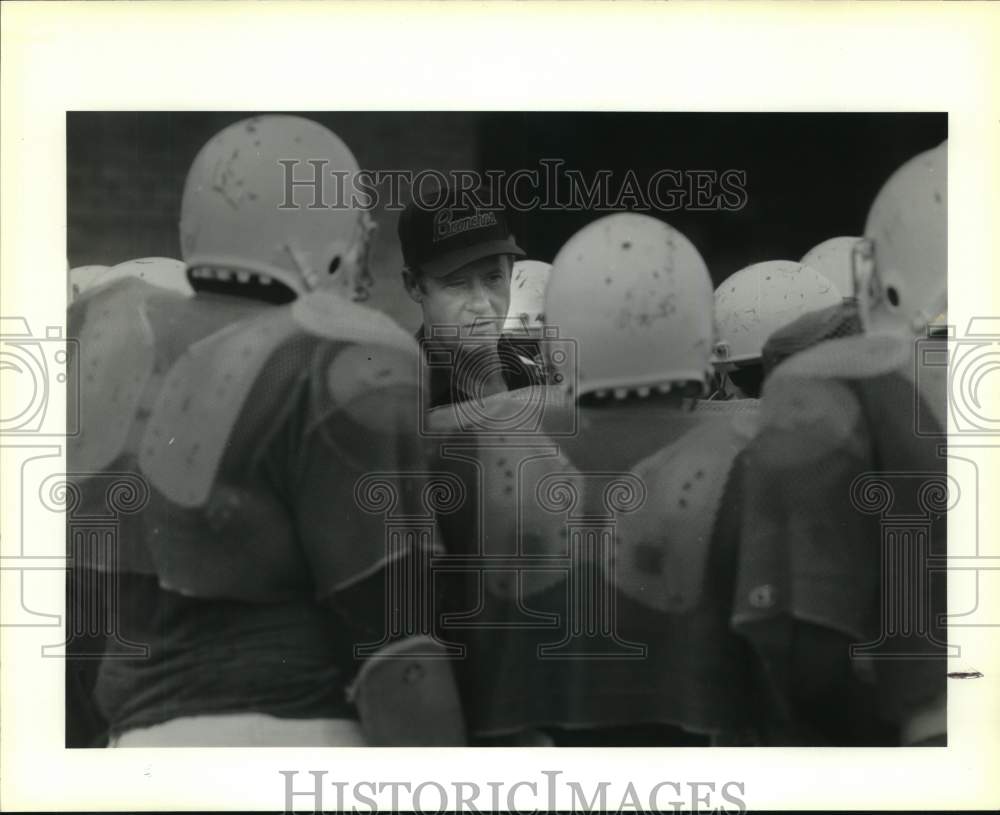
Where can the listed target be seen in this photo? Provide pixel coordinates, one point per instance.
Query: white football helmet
(753, 303)
(833, 258)
(901, 268)
(246, 213)
(166, 273)
(635, 297)
(526, 312)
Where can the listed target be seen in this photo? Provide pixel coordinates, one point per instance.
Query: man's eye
(496, 278)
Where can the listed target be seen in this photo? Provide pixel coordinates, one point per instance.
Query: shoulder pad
(360, 371)
(200, 401)
(330, 316)
(167, 274)
(117, 355)
(204, 393)
(396, 689)
(823, 413)
(546, 394)
(663, 547)
(515, 412)
(525, 488)
(856, 357)
(442, 419)
(726, 407)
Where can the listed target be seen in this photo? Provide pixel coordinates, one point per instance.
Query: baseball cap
(439, 240)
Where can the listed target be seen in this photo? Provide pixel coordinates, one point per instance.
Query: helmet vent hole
(334, 264)
(893, 295)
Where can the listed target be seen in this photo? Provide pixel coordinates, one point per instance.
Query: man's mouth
(483, 326)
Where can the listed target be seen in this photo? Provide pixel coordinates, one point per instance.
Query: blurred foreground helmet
(753, 303)
(833, 259)
(636, 297)
(526, 312)
(166, 273)
(267, 200)
(81, 278)
(901, 268)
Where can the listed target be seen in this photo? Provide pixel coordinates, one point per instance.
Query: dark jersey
(597, 586)
(251, 428)
(443, 378)
(844, 509)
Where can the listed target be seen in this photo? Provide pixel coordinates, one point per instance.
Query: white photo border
(60, 57)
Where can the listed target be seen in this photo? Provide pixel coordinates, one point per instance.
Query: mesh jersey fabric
(832, 322)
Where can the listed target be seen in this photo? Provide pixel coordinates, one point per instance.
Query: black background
(808, 176)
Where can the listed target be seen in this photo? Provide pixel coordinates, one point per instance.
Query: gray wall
(126, 173)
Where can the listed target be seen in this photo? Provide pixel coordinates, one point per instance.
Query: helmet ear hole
(334, 264)
(893, 295)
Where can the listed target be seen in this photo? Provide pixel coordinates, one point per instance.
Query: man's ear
(413, 287)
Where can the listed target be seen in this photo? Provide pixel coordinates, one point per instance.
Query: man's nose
(479, 301)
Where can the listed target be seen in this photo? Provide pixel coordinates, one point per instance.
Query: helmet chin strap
(876, 318)
(867, 289)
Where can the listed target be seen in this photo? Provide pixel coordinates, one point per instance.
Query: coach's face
(475, 293)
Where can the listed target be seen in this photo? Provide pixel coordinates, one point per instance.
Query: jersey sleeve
(806, 551)
(808, 561)
(336, 444)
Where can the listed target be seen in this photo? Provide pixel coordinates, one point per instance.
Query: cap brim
(446, 264)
